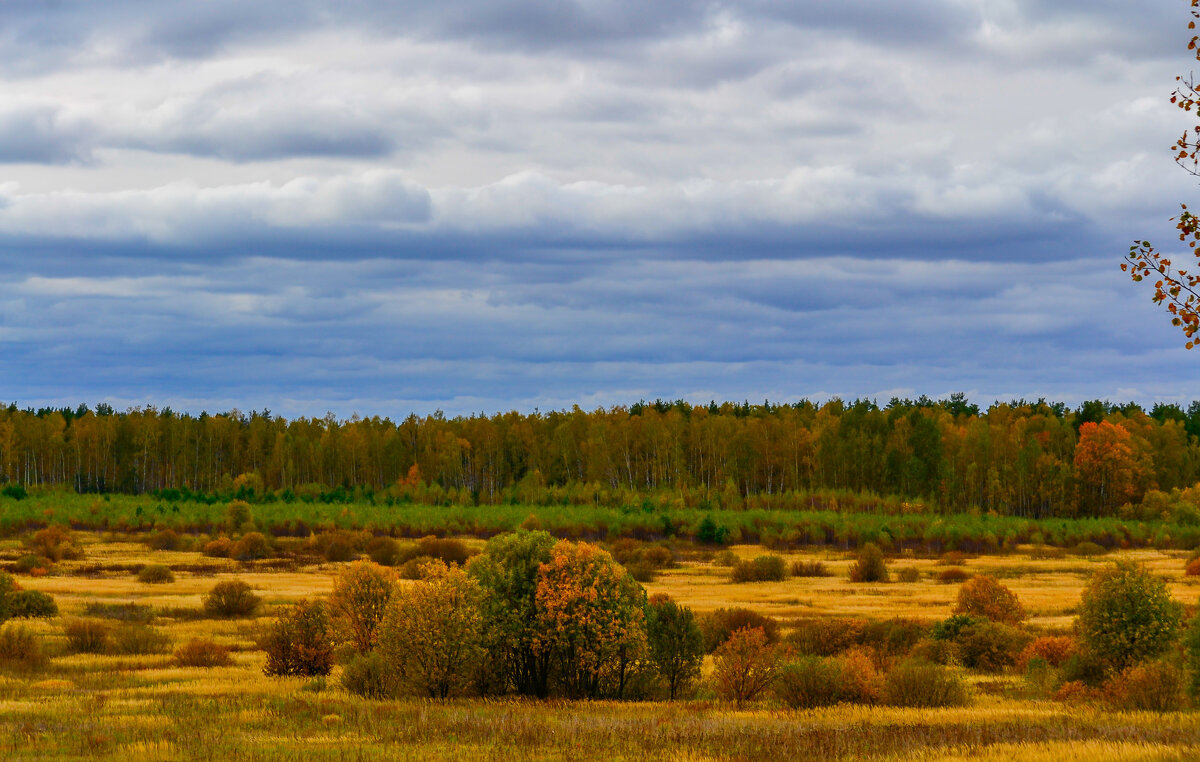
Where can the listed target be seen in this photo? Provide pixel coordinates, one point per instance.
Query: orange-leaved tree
(591, 619)
(1112, 466)
(1175, 286)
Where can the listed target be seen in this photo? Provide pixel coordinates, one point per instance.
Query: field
(136, 707)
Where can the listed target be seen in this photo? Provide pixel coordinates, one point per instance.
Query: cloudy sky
(481, 205)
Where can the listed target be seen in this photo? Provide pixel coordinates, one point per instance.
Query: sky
(482, 205)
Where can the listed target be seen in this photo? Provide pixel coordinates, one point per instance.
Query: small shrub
(810, 682)
(983, 596)
(920, 684)
(1154, 686)
(88, 636)
(131, 639)
(827, 636)
(31, 563)
(761, 569)
(909, 574)
(718, 626)
(230, 599)
(155, 574)
(167, 539)
(950, 627)
(1088, 549)
(1084, 667)
(642, 572)
(55, 543)
(300, 642)
(658, 557)
(368, 675)
(218, 548)
(990, 646)
(1193, 568)
(252, 547)
(861, 682)
(676, 644)
(339, 550)
(448, 550)
(953, 576)
(358, 601)
(30, 604)
(1054, 649)
(20, 649)
(893, 637)
(383, 551)
(936, 651)
(810, 569)
(203, 652)
(745, 665)
(1077, 692)
(1041, 679)
(952, 558)
(870, 566)
(725, 558)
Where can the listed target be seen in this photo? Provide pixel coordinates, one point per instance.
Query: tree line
(1019, 458)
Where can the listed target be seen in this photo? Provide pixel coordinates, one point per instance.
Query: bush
(990, 646)
(339, 549)
(745, 665)
(893, 637)
(31, 563)
(1154, 686)
(718, 626)
(1127, 615)
(861, 682)
(725, 558)
(237, 515)
(383, 550)
(761, 569)
(89, 636)
(1193, 568)
(870, 566)
(30, 604)
(810, 682)
(368, 675)
(826, 636)
(230, 599)
(810, 569)
(432, 634)
(131, 639)
(983, 596)
(167, 539)
(953, 576)
(1088, 549)
(909, 574)
(55, 543)
(358, 602)
(252, 546)
(920, 684)
(1085, 668)
(218, 548)
(202, 652)
(447, 550)
(155, 574)
(641, 571)
(20, 649)
(1054, 649)
(658, 557)
(1191, 646)
(300, 642)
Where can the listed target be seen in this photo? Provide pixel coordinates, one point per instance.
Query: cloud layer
(388, 207)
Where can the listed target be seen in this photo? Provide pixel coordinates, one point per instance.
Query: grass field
(143, 707)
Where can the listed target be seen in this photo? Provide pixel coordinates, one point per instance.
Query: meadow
(145, 706)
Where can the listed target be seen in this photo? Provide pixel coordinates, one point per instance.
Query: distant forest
(1030, 459)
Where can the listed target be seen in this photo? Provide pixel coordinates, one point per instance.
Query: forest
(1020, 459)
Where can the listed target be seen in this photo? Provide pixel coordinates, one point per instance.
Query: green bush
(675, 642)
(28, 563)
(155, 574)
(826, 636)
(121, 612)
(30, 604)
(368, 675)
(300, 642)
(252, 547)
(230, 599)
(870, 566)
(921, 684)
(761, 569)
(809, 682)
(990, 646)
(383, 550)
(809, 569)
(1127, 615)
